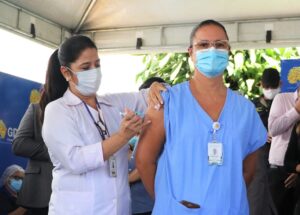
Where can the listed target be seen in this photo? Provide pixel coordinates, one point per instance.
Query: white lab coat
(81, 182)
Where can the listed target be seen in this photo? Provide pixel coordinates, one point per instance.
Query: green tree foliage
(243, 72)
(172, 67)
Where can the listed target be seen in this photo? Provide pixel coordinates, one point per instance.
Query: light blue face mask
(88, 81)
(211, 62)
(15, 185)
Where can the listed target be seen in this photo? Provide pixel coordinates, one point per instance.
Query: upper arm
(249, 166)
(280, 118)
(25, 132)
(25, 128)
(249, 163)
(152, 137)
(258, 135)
(28, 141)
(136, 101)
(275, 112)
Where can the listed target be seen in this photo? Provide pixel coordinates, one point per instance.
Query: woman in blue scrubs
(201, 156)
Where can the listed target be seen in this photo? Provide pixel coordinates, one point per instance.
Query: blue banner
(7, 158)
(15, 96)
(290, 75)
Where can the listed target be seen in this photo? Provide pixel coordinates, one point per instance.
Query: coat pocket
(72, 202)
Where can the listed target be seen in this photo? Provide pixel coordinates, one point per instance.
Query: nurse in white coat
(86, 136)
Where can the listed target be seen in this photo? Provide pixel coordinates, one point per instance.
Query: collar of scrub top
(73, 100)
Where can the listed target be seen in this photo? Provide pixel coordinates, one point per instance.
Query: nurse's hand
(155, 99)
(291, 180)
(297, 104)
(131, 125)
(269, 140)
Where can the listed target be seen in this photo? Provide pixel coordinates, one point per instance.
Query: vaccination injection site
(163, 107)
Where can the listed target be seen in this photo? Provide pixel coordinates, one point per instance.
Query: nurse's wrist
(123, 138)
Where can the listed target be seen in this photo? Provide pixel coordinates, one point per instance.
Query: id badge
(215, 153)
(112, 166)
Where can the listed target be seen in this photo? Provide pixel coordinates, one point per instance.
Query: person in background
(200, 148)
(147, 84)
(292, 155)
(292, 159)
(283, 116)
(28, 143)
(86, 135)
(259, 196)
(10, 185)
(141, 201)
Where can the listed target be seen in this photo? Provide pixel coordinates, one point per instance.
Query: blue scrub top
(183, 172)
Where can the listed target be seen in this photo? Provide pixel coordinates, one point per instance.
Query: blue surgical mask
(211, 62)
(15, 184)
(88, 81)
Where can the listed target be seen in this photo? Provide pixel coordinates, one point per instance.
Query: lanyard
(100, 125)
(215, 126)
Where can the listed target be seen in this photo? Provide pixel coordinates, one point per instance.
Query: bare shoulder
(156, 127)
(155, 116)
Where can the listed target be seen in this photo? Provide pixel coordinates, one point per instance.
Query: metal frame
(243, 34)
(85, 15)
(47, 32)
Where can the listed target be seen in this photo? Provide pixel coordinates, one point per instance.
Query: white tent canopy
(162, 25)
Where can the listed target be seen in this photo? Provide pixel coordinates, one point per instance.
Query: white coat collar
(72, 100)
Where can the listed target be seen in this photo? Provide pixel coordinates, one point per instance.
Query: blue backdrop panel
(15, 95)
(7, 158)
(289, 74)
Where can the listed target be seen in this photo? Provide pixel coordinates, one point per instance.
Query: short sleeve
(166, 97)
(136, 101)
(258, 135)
